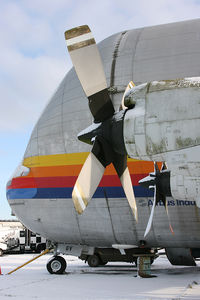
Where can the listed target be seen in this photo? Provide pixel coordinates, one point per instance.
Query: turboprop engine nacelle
(164, 126)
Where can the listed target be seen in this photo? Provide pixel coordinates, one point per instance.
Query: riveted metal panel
(168, 52)
(160, 52)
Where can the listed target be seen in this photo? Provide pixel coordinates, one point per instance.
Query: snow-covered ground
(112, 282)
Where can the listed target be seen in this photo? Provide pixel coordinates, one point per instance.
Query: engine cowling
(164, 126)
(165, 118)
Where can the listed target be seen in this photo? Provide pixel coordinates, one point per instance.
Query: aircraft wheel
(1, 252)
(152, 260)
(93, 261)
(103, 263)
(56, 265)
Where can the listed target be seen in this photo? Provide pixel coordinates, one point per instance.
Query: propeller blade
(89, 68)
(87, 182)
(170, 226)
(164, 166)
(156, 168)
(120, 164)
(164, 200)
(128, 189)
(148, 228)
(158, 196)
(129, 86)
(102, 151)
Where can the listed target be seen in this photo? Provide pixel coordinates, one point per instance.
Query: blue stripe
(48, 193)
(21, 193)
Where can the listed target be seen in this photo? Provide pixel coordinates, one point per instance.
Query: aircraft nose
(20, 171)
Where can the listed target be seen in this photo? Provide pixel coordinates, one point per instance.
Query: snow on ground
(112, 282)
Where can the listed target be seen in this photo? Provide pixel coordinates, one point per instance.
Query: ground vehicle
(21, 241)
(102, 256)
(30, 241)
(3, 248)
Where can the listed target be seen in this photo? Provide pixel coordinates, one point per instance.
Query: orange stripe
(135, 167)
(141, 167)
(55, 171)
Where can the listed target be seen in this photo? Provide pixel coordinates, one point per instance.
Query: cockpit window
(21, 171)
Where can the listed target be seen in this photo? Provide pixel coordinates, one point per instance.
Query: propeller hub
(111, 130)
(159, 179)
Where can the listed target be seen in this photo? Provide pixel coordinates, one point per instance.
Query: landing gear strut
(144, 266)
(56, 265)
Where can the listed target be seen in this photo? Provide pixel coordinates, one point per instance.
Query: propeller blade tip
(135, 214)
(171, 229)
(76, 31)
(80, 202)
(146, 232)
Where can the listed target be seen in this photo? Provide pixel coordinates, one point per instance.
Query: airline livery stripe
(74, 170)
(55, 171)
(59, 160)
(60, 193)
(71, 164)
(66, 181)
(56, 160)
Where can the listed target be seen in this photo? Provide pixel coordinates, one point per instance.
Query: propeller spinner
(106, 135)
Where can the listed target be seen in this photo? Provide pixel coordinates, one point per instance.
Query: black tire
(93, 261)
(152, 260)
(22, 249)
(56, 265)
(1, 252)
(103, 263)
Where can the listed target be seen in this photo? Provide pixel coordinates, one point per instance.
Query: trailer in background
(15, 238)
(31, 242)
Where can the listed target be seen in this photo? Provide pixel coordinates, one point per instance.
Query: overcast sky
(34, 59)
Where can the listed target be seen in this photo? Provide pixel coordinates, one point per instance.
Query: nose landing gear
(56, 265)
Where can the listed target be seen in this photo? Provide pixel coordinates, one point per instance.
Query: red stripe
(23, 183)
(66, 181)
(60, 181)
(113, 180)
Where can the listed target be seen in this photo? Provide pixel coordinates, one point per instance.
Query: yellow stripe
(132, 159)
(58, 160)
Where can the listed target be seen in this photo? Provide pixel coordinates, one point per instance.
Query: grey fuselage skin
(154, 53)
